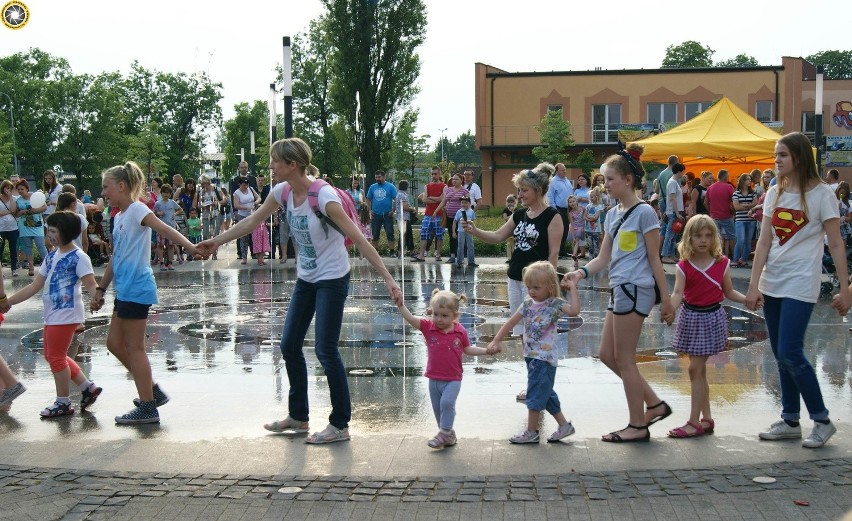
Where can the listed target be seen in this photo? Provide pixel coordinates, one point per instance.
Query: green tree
(464, 151)
(183, 106)
(34, 80)
(837, 65)
(92, 133)
(555, 135)
(688, 54)
(314, 118)
(586, 161)
(740, 60)
(147, 149)
(375, 65)
(237, 136)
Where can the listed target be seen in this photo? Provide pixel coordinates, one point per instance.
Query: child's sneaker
(160, 398)
(525, 437)
(89, 396)
(170, 267)
(780, 430)
(145, 413)
(328, 435)
(442, 440)
(11, 393)
(562, 432)
(57, 409)
(163, 267)
(820, 435)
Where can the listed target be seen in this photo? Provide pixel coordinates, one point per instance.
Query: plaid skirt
(700, 333)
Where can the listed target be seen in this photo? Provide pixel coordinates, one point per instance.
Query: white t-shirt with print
(322, 252)
(62, 294)
(793, 267)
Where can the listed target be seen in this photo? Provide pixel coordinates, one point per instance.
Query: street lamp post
(818, 119)
(443, 157)
(12, 118)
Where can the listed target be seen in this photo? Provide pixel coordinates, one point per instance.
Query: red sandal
(711, 425)
(681, 432)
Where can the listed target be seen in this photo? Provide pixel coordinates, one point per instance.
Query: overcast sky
(240, 44)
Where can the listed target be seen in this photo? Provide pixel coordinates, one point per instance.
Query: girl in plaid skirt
(702, 281)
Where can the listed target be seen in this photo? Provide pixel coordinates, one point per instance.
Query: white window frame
(608, 130)
(700, 105)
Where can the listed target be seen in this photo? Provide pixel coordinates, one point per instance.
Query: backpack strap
(313, 202)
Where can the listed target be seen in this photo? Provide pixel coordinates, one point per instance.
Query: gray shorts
(726, 228)
(629, 298)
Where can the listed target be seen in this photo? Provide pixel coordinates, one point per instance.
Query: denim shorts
(131, 310)
(541, 377)
(629, 298)
(726, 228)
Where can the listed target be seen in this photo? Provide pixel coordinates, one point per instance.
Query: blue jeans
(325, 299)
(465, 241)
(383, 221)
(26, 245)
(745, 233)
(541, 376)
(671, 240)
(786, 320)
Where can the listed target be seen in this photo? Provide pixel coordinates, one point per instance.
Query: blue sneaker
(160, 397)
(145, 413)
(11, 393)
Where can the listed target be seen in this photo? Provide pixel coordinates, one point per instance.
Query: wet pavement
(213, 347)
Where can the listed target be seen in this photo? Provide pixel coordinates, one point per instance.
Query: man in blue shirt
(380, 199)
(557, 196)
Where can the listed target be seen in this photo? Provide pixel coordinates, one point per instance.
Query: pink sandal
(680, 432)
(711, 425)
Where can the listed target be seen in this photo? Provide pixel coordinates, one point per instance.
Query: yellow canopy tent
(723, 136)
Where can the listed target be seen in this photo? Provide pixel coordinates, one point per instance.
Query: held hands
(567, 283)
(574, 276)
(395, 294)
(5, 306)
(97, 301)
(667, 312)
(754, 299)
(493, 348)
(205, 248)
(840, 302)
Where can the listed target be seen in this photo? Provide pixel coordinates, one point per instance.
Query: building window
(809, 124)
(554, 107)
(606, 120)
(662, 113)
(763, 111)
(692, 109)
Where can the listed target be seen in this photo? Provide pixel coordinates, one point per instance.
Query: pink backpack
(345, 200)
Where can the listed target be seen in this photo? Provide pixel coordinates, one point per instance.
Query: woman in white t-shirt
(8, 223)
(321, 287)
(798, 212)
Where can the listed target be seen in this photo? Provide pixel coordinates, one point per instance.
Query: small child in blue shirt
(465, 240)
(165, 208)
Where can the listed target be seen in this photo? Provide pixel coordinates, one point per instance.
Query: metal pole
(287, 88)
(818, 120)
(443, 157)
(273, 116)
(12, 119)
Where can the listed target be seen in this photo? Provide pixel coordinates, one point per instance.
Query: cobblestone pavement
(712, 493)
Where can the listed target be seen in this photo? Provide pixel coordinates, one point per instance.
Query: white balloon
(37, 199)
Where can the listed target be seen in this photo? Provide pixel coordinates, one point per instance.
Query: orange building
(599, 103)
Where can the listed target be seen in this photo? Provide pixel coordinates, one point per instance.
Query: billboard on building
(838, 151)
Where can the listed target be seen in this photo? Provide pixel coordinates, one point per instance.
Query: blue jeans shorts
(541, 377)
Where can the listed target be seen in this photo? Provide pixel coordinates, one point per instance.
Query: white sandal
(288, 424)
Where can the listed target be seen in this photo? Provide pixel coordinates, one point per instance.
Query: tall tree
(688, 54)
(740, 60)
(147, 149)
(314, 116)
(555, 135)
(182, 105)
(837, 65)
(34, 80)
(91, 137)
(237, 136)
(464, 150)
(375, 65)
